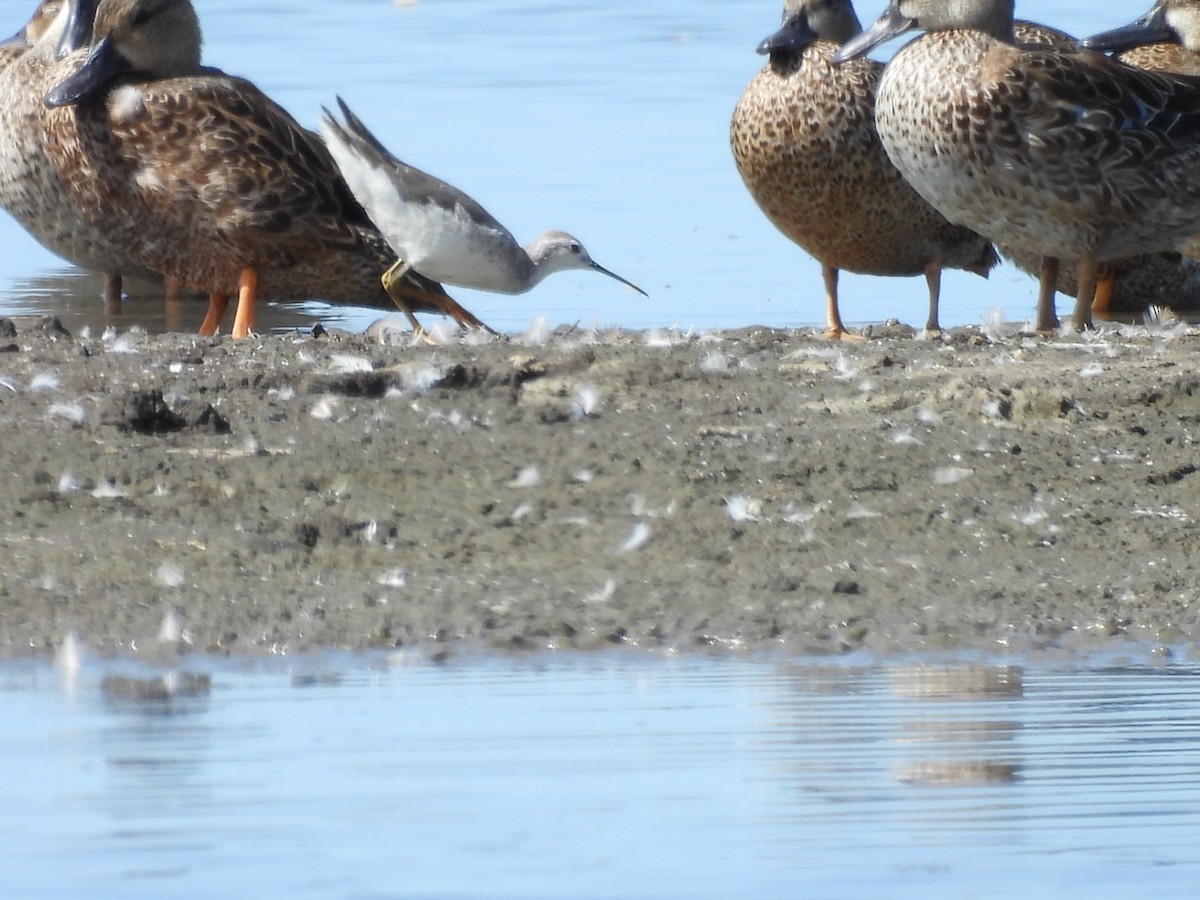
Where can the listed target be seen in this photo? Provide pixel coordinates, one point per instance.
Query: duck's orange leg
(1104, 291)
(112, 293)
(834, 329)
(1085, 294)
(1047, 316)
(217, 304)
(933, 280)
(243, 320)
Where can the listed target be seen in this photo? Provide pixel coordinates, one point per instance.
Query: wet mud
(684, 492)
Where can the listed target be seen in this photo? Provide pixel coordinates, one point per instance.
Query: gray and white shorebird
(438, 231)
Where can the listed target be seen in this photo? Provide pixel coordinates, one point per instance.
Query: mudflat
(984, 491)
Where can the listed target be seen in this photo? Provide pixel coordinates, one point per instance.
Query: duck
(30, 189)
(804, 142)
(1066, 154)
(435, 228)
(201, 177)
(1165, 39)
(31, 32)
(1127, 286)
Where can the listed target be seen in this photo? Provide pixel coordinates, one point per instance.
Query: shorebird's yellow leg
(391, 281)
(1047, 317)
(243, 319)
(217, 304)
(834, 329)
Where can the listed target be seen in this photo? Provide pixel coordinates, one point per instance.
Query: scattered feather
(325, 408)
(8, 383)
(992, 409)
(1091, 370)
(421, 379)
(73, 412)
(528, 477)
(584, 476)
(44, 382)
(396, 578)
(927, 416)
(604, 594)
(477, 337)
(665, 337)
(741, 508)
(638, 536)
(950, 475)
(1031, 516)
(521, 512)
(169, 575)
(537, 334)
(714, 361)
(903, 437)
(861, 512)
(345, 364)
(993, 327)
(67, 483)
(586, 402)
(175, 368)
(845, 369)
(122, 344)
(108, 490)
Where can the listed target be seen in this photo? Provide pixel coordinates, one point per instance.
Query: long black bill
(611, 274)
(793, 37)
(1149, 29)
(102, 66)
(889, 25)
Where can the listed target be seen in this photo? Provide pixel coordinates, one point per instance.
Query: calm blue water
(603, 777)
(607, 119)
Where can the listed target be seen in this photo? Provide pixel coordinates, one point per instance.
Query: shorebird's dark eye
(576, 248)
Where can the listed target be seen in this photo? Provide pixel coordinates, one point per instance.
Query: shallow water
(608, 120)
(601, 777)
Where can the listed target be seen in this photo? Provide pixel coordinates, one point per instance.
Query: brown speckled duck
(200, 176)
(1069, 155)
(1165, 39)
(1124, 286)
(30, 189)
(31, 32)
(803, 137)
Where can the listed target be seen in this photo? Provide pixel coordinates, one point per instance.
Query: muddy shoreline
(725, 491)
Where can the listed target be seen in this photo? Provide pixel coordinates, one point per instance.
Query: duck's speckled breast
(804, 140)
(30, 187)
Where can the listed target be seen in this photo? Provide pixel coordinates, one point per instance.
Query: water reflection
(970, 742)
(595, 776)
(77, 299)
